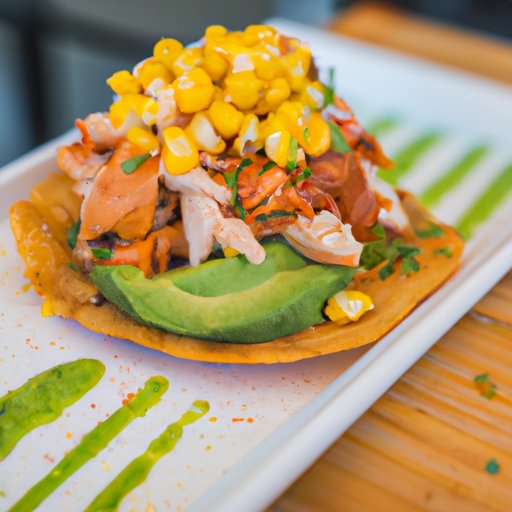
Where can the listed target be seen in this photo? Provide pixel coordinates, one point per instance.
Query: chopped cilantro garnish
(72, 266)
(434, 232)
(231, 178)
(269, 165)
(262, 217)
(444, 251)
(306, 173)
(485, 385)
(72, 234)
(102, 254)
(305, 134)
(338, 141)
(492, 467)
(374, 253)
(329, 89)
(292, 155)
(241, 211)
(134, 163)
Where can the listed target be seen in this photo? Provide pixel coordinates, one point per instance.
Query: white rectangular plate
(266, 424)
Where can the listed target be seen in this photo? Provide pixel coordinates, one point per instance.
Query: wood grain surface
(426, 444)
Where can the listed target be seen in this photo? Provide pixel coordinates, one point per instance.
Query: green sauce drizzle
(43, 398)
(408, 157)
(381, 126)
(433, 194)
(137, 471)
(92, 443)
(485, 205)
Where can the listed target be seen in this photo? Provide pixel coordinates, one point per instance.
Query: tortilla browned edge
(66, 294)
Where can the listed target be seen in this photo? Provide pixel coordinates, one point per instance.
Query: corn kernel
(201, 131)
(124, 82)
(267, 65)
(313, 96)
(318, 140)
(215, 66)
(215, 32)
(230, 252)
(145, 139)
(279, 91)
(146, 108)
(179, 153)
(226, 119)
(152, 70)
(348, 306)
(248, 139)
(193, 91)
(244, 89)
(189, 59)
(277, 146)
(167, 51)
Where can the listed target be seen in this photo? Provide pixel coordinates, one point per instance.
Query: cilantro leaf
(262, 217)
(72, 234)
(129, 166)
(269, 165)
(492, 467)
(374, 253)
(329, 89)
(305, 134)
(102, 254)
(72, 266)
(338, 141)
(306, 173)
(434, 232)
(444, 251)
(485, 385)
(231, 178)
(292, 155)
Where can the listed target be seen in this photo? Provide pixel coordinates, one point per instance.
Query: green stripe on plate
(406, 158)
(448, 181)
(379, 127)
(485, 205)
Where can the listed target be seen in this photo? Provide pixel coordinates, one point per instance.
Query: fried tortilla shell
(41, 243)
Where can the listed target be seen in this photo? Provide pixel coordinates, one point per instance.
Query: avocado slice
(228, 300)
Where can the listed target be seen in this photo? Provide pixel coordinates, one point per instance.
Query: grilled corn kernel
(145, 139)
(226, 119)
(277, 146)
(243, 89)
(278, 92)
(146, 108)
(188, 59)
(248, 138)
(167, 51)
(179, 153)
(193, 91)
(201, 131)
(124, 82)
(229, 252)
(150, 70)
(348, 306)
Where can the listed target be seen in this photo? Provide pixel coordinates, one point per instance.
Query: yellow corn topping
(232, 92)
(179, 153)
(348, 306)
(229, 252)
(193, 91)
(145, 139)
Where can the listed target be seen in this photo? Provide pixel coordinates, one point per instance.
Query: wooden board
(426, 443)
